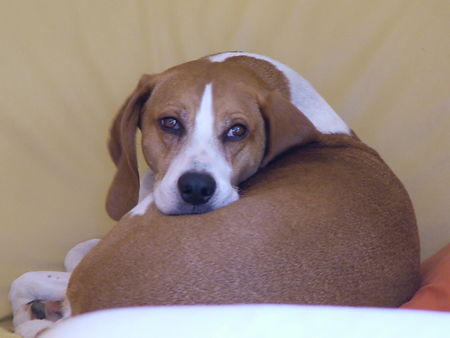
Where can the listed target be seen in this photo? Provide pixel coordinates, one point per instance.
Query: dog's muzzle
(196, 188)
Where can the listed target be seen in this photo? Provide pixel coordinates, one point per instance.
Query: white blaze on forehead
(204, 121)
(203, 151)
(303, 96)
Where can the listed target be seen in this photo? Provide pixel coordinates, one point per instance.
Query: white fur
(32, 328)
(200, 154)
(303, 96)
(142, 206)
(42, 285)
(77, 253)
(146, 185)
(145, 195)
(45, 286)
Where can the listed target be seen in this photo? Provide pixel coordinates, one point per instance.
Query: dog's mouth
(200, 209)
(213, 204)
(188, 209)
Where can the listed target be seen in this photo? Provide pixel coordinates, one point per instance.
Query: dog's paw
(49, 286)
(31, 328)
(77, 253)
(49, 310)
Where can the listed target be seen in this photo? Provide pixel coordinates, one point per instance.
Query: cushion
(67, 67)
(434, 293)
(262, 321)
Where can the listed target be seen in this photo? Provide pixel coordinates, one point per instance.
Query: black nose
(196, 188)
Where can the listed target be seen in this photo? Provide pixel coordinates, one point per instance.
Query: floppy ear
(124, 190)
(286, 126)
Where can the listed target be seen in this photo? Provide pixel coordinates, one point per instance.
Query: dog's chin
(183, 208)
(193, 209)
(186, 209)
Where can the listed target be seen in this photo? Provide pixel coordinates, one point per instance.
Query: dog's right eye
(171, 125)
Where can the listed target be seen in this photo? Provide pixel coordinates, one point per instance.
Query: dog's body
(343, 249)
(327, 222)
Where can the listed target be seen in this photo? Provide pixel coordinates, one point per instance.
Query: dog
(257, 192)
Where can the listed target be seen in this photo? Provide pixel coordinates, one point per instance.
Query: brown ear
(286, 126)
(124, 190)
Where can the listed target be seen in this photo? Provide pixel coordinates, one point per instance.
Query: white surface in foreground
(256, 321)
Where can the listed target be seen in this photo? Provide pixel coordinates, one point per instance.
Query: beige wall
(66, 66)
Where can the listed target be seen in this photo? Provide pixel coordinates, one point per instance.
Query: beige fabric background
(66, 66)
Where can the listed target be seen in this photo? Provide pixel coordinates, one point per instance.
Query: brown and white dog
(323, 220)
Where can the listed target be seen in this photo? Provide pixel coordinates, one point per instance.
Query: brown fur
(325, 223)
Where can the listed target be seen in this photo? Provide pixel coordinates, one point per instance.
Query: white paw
(31, 328)
(39, 294)
(36, 285)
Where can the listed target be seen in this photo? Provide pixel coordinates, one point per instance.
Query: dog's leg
(35, 300)
(77, 253)
(38, 298)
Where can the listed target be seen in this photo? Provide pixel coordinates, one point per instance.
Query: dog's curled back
(323, 220)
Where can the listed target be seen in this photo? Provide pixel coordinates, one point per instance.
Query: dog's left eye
(171, 125)
(236, 133)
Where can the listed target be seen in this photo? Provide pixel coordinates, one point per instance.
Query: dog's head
(206, 126)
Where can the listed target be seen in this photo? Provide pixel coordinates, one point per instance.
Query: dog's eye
(171, 125)
(236, 133)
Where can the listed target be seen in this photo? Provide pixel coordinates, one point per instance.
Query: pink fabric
(434, 293)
